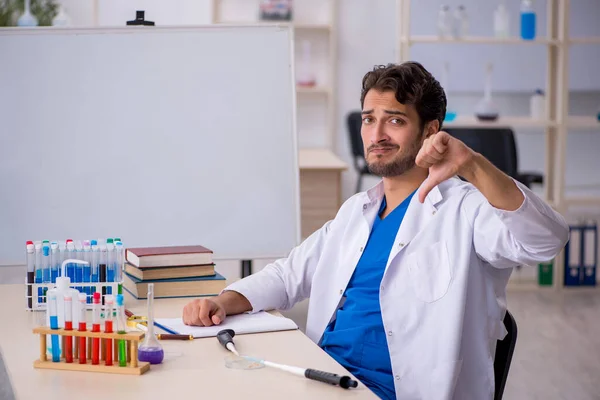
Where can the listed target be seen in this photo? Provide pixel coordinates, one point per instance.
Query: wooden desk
(320, 187)
(191, 369)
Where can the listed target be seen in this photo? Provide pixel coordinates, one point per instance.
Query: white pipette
(225, 337)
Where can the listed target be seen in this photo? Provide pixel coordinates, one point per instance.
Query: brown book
(158, 273)
(180, 287)
(168, 256)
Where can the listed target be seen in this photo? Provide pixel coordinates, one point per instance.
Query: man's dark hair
(412, 84)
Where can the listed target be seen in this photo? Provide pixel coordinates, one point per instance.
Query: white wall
(367, 36)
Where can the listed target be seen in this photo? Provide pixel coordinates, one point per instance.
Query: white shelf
(477, 39)
(583, 200)
(523, 122)
(583, 122)
(585, 40)
(296, 25)
(314, 90)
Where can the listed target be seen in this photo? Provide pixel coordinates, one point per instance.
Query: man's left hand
(444, 156)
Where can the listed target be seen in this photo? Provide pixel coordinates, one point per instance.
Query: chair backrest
(354, 122)
(496, 144)
(504, 353)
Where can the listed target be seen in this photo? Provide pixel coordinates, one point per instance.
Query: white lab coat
(442, 295)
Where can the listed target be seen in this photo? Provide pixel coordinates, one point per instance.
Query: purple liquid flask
(150, 350)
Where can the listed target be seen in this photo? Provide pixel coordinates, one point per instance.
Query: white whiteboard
(160, 136)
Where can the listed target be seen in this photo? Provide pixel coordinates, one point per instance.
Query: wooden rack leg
(128, 346)
(134, 353)
(102, 349)
(89, 349)
(43, 347)
(115, 351)
(63, 347)
(76, 353)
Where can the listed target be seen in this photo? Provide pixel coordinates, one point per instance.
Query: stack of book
(176, 271)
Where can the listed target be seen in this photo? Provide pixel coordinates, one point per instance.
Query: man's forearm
(233, 302)
(497, 187)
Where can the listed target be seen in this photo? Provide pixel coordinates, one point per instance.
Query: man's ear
(431, 127)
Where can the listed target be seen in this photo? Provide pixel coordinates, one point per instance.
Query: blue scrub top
(356, 338)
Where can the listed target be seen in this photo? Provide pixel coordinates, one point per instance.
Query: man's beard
(402, 162)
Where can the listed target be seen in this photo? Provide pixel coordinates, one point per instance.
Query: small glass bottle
(460, 24)
(150, 350)
(527, 20)
(27, 18)
(444, 22)
(501, 21)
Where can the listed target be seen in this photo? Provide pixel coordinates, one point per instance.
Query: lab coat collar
(374, 196)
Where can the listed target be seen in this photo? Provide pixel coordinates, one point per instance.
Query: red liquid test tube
(82, 328)
(96, 328)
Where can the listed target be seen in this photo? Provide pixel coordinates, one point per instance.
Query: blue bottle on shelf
(527, 20)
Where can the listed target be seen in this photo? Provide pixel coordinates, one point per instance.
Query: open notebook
(242, 323)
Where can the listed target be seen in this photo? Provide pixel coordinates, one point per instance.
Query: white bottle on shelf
(306, 77)
(444, 22)
(537, 105)
(460, 24)
(61, 18)
(501, 21)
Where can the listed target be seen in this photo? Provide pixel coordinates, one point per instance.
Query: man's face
(391, 134)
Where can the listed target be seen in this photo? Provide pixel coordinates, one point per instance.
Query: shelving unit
(558, 123)
(318, 162)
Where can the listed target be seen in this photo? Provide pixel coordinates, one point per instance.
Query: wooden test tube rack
(134, 367)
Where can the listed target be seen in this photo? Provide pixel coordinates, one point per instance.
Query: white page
(242, 323)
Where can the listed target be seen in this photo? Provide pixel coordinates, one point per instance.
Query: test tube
(38, 268)
(121, 329)
(96, 328)
(70, 254)
(54, 261)
(110, 263)
(82, 327)
(87, 269)
(68, 327)
(46, 278)
(79, 267)
(120, 250)
(102, 267)
(52, 311)
(108, 328)
(30, 269)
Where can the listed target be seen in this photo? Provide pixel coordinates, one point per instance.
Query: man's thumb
(218, 316)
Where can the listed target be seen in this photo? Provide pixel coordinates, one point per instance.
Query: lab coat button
(383, 287)
(364, 206)
(433, 212)
(397, 377)
(401, 244)
(341, 291)
(361, 249)
(389, 333)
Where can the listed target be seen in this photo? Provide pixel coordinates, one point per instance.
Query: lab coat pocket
(443, 381)
(430, 272)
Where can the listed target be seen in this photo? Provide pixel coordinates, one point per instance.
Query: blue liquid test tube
(95, 265)
(52, 311)
(120, 250)
(70, 255)
(38, 269)
(110, 263)
(78, 267)
(46, 276)
(54, 261)
(87, 269)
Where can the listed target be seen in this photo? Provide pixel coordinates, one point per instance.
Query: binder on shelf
(581, 255)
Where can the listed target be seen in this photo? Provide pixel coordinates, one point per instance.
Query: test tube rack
(134, 367)
(35, 293)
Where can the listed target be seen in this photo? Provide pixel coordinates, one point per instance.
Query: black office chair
(504, 353)
(353, 123)
(497, 145)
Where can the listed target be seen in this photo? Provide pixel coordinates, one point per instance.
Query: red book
(168, 256)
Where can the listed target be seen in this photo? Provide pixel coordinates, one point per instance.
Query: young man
(407, 283)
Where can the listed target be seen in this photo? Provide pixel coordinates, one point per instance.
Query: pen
(165, 336)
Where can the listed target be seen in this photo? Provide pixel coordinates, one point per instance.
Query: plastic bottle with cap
(63, 287)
